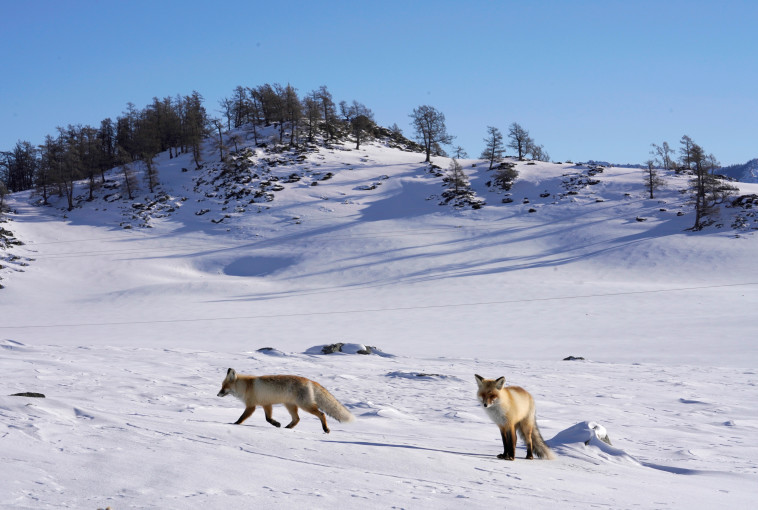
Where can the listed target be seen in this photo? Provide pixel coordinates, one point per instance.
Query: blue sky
(588, 79)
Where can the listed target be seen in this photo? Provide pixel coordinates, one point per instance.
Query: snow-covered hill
(127, 313)
(744, 173)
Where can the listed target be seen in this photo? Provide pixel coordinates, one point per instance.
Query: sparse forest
(707, 188)
(80, 152)
(178, 125)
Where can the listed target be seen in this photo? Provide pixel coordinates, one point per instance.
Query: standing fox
(511, 408)
(291, 390)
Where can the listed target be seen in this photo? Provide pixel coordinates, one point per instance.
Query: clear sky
(589, 79)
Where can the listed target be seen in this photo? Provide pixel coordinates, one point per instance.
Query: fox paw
(503, 456)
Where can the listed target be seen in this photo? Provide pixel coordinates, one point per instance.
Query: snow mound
(270, 351)
(589, 438)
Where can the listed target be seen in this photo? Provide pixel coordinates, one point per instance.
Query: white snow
(129, 333)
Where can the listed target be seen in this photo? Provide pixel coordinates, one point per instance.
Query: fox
(512, 408)
(291, 390)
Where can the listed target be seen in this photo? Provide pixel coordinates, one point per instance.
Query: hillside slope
(127, 314)
(283, 229)
(744, 173)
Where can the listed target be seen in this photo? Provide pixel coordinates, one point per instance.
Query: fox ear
(231, 374)
(499, 383)
(479, 379)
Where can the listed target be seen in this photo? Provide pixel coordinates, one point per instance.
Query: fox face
(489, 390)
(226, 386)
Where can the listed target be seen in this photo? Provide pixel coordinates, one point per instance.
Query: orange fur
(512, 409)
(291, 390)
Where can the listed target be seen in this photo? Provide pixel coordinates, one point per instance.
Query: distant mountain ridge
(743, 173)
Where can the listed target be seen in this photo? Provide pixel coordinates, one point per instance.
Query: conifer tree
(456, 179)
(293, 110)
(50, 157)
(3, 192)
(194, 125)
(329, 110)
(708, 189)
(652, 180)
(312, 115)
(70, 164)
(493, 149)
(459, 152)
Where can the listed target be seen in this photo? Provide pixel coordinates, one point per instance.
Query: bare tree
(663, 155)
(430, 128)
(459, 152)
(519, 140)
(241, 108)
(686, 152)
(227, 108)
(236, 139)
(130, 181)
(255, 112)
(537, 152)
(220, 144)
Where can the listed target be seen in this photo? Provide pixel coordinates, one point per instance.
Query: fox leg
(245, 415)
(292, 408)
(508, 434)
(527, 428)
(314, 410)
(267, 410)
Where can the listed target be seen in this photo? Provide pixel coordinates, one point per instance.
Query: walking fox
(512, 408)
(291, 390)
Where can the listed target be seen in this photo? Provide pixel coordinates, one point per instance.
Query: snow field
(129, 332)
(140, 426)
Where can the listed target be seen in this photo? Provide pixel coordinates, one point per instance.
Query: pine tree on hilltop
(708, 189)
(493, 149)
(652, 180)
(430, 129)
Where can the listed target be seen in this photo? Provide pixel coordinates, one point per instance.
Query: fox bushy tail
(331, 406)
(539, 447)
